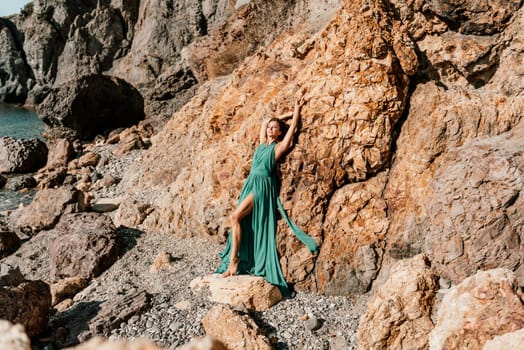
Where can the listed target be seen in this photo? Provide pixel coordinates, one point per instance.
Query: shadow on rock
(128, 237)
(69, 326)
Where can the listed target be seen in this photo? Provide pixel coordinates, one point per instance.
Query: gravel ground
(175, 315)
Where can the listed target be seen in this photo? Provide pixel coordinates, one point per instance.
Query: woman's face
(273, 129)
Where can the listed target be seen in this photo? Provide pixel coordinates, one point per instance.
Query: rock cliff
(409, 142)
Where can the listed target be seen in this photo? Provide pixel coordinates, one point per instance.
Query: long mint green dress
(258, 251)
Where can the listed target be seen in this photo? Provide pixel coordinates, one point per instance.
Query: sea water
(20, 123)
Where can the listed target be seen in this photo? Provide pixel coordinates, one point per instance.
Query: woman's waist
(261, 172)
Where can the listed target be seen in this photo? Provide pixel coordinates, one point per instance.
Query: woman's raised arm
(263, 131)
(283, 146)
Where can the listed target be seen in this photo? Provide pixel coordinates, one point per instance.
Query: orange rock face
(356, 92)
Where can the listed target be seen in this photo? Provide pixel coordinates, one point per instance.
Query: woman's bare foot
(232, 268)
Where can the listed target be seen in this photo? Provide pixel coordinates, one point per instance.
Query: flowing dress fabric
(258, 251)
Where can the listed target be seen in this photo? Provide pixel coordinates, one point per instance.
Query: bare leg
(244, 208)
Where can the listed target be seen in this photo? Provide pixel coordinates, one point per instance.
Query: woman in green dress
(251, 245)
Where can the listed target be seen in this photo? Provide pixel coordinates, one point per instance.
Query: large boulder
(254, 293)
(45, 209)
(83, 245)
(234, 330)
(398, 315)
(21, 155)
(91, 105)
(27, 303)
(485, 305)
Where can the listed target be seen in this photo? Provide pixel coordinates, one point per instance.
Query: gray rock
(84, 245)
(21, 155)
(20, 182)
(13, 80)
(45, 209)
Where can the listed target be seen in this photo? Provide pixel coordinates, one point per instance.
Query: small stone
(312, 323)
(174, 326)
(183, 305)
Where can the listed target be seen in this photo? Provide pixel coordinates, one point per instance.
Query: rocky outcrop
(234, 330)
(254, 293)
(91, 105)
(83, 245)
(147, 43)
(483, 306)
(61, 151)
(398, 315)
(464, 219)
(27, 303)
(86, 320)
(13, 80)
(45, 210)
(13, 337)
(21, 156)
(345, 137)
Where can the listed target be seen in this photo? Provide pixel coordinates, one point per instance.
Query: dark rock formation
(27, 303)
(85, 320)
(3, 181)
(9, 241)
(92, 105)
(113, 312)
(21, 182)
(10, 275)
(21, 156)
(13, 72)
(84, 245)
(475, 17)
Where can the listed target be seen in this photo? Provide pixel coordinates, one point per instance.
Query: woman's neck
(270, 140)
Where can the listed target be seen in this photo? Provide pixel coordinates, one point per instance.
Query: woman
(251, 246)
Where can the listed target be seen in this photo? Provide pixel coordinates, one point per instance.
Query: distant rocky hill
(162, 47)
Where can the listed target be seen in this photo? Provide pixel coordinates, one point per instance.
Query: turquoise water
(19, 123)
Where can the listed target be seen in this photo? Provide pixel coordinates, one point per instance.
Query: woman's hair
(283, 127)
